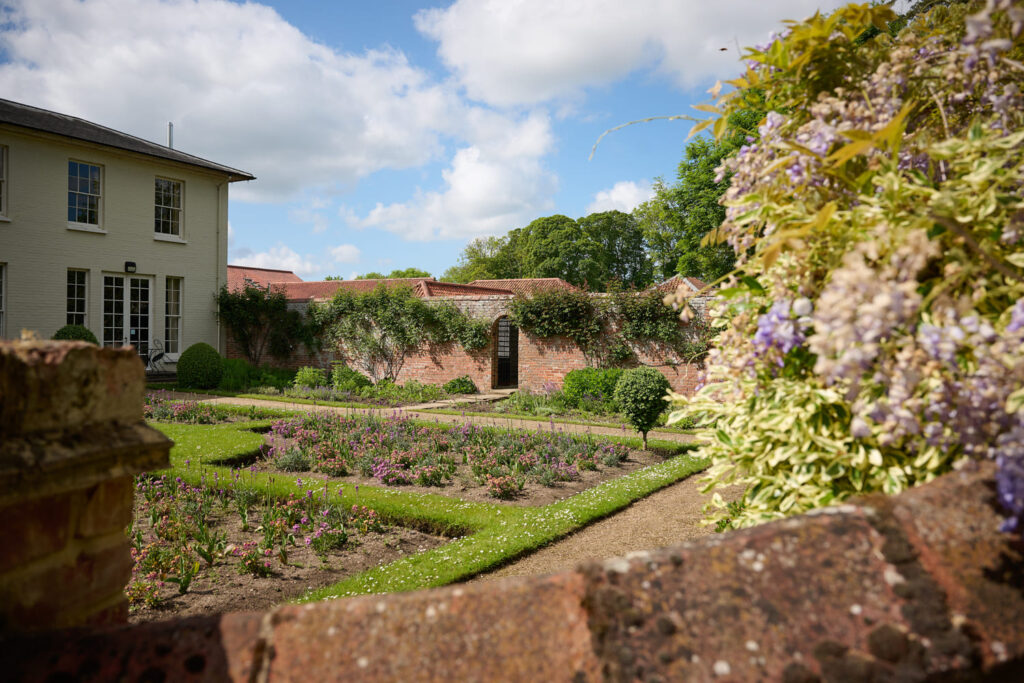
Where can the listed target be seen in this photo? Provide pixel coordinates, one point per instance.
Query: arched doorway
(506, 354)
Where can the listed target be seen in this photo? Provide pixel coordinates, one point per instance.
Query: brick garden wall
(542, 362)
(71, 437)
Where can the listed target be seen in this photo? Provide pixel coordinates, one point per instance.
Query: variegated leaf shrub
(873, 333)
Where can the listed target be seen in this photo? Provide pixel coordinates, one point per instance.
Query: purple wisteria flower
(779, 329)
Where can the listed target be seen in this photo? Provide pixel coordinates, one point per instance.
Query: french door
(126, 312)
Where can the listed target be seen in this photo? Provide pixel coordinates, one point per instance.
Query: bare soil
(221, 588)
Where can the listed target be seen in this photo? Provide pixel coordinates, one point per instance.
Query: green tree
(484, 258)
(676, 219)
(615, 251)
(259, 321)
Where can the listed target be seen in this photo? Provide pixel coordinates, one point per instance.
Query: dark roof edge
(64, 125)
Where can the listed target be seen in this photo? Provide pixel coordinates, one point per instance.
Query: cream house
(103, 229)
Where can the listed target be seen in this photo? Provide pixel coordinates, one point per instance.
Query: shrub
(642, 395)
(874, 334)
(292, 460)
(310, 377)
(76, 333)
(238, 375)
(344, 378)
(591, 384)
(200, 367)
(460, 385)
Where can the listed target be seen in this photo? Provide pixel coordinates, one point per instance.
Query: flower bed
(163, 406)
(223, 546)
(480, 462)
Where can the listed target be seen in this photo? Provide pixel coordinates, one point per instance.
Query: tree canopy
(594, 252)
(397, 273)
(676, 219)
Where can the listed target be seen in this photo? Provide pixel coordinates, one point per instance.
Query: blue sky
(388, 134)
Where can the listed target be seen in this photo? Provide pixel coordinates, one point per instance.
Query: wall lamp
(129, 266)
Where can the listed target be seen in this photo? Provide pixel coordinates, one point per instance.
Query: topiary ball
(200, 367)
(641, 395)
(76, 333)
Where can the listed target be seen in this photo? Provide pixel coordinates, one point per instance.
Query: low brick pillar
(71, 438)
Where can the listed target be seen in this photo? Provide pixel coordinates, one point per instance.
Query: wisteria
(887, 200)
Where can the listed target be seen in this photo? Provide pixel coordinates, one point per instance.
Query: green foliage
(460, 385)
(260, 322)
(679, 216)
(394, 274)
(200, 367)
(558, 313)
(310, 377)
(591, 385)
(377, 330)
(450, 324)
(344, 378)
(237, 375)
(642, 395)
(592, 252)
(76, 333)
(874, 334)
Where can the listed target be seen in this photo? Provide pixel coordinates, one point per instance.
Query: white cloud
(285, 258)
(493, 185)
(623, 196)
(279, 256)
(242, 86)
(345, 253)
(531, 51)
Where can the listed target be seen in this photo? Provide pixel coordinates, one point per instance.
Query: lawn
(458, 537)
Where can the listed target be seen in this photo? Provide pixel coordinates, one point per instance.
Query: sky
(389, 134)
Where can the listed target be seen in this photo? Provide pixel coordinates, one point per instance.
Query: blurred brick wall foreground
(71, 437)
(920, 587)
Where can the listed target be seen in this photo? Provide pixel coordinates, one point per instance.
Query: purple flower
(777, 329)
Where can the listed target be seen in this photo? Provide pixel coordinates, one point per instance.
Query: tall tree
(485, 258)
(617, 250)
(676, 219)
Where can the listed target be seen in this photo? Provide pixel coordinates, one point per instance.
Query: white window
(167, 210)
(3, 295)
(77, 299)
(3, 180)
(84, 193)
(172, 315)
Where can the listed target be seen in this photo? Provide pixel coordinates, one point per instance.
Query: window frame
(175, 317)
(158, 233)
(4, 168)
(80, 225)
(3, 300)
(84, 299)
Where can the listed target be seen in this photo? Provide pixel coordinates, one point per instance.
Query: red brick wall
(541, 361)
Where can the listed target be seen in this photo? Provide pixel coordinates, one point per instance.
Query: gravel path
(665, 518)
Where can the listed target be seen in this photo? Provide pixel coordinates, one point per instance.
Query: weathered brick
(33, 529)
(107, 507)
(513, 631)
(65, 594)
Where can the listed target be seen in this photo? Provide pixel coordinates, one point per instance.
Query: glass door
(126, 312)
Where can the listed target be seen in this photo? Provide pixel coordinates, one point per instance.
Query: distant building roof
(240, 276)
(530, 285)
(17, 114)
(672, 284)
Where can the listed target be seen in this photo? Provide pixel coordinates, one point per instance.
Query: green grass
(487, 535)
